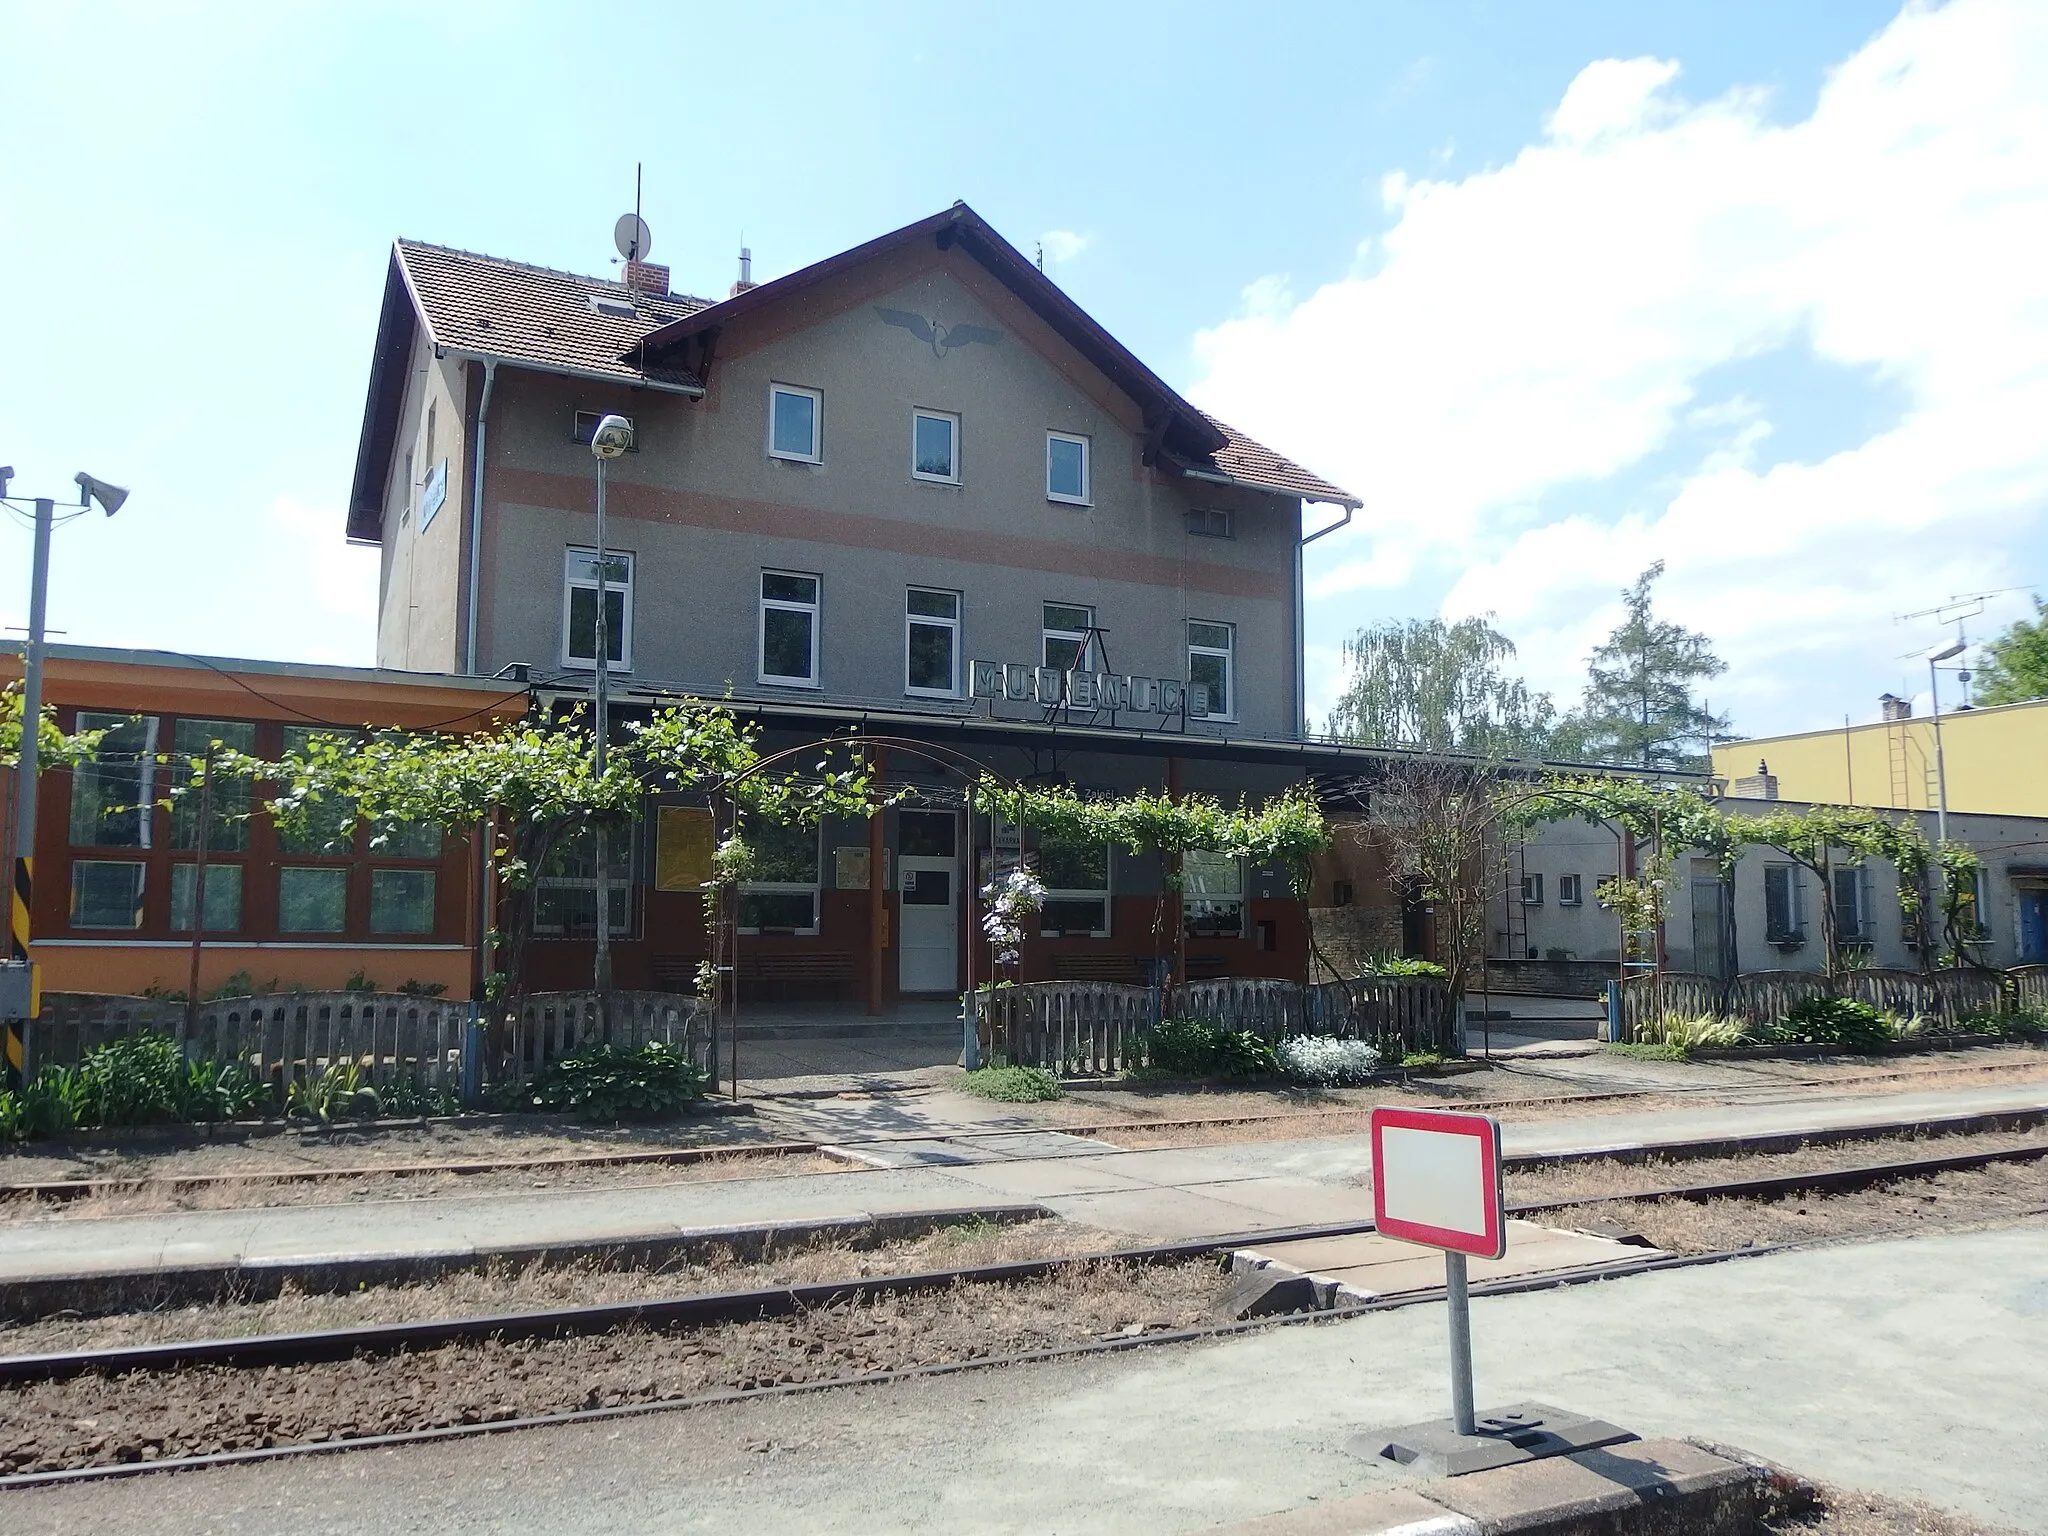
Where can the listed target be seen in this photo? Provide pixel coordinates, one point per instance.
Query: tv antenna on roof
(631, 235)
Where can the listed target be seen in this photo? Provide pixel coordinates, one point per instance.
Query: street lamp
(109, 497)
(613, 436)
(1947, 653)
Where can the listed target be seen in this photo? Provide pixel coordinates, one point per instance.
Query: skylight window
(615, 306)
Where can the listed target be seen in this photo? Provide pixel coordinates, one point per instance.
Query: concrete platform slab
(1367, 1266)
(1049, 1179)
(1168, 1214)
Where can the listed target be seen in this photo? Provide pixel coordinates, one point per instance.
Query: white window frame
(1103, 895)
(1859, 885)
(814, 608)
(1795, 905)
(792, 888)
(1086, 636)
(1087, 496)
(1229, 656)
(1216, 902)
(817, 399)
(911, 621)
(952, 420)
(1570, 891)
(573, 583)
(1532, 890)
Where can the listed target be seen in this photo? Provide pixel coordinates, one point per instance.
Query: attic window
(1212, 523)
(615, 305)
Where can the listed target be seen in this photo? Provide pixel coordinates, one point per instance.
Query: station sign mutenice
(1018, 683)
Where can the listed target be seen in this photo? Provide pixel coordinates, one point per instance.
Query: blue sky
(1317, 220)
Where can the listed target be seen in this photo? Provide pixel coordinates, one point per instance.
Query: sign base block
(1522, 1432)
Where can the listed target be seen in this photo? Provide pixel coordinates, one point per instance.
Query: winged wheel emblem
(940, 338)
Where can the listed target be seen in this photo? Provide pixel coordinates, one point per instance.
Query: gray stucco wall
(421, 573)
(703, 509)
(2014, 850)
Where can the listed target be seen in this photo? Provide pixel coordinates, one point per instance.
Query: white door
(928, 947)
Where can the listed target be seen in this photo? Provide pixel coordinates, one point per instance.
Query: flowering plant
(1011, 898)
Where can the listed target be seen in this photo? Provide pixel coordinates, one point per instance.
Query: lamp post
(1947, 653)
(27, 762)
(613, 436)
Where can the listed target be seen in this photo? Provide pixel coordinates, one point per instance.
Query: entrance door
(2033, 927)
(1708, 926)
(928, 878)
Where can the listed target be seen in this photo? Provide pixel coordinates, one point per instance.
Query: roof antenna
(1041, 256)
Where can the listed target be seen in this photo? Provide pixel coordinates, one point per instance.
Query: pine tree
(1638, 707)
(2015, 665)
(1425, 683)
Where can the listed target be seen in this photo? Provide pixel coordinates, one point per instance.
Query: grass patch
(1011, 1085)
(1648, 1051)
(1423, 1061)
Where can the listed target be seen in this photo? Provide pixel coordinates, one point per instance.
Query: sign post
(1436, 1180)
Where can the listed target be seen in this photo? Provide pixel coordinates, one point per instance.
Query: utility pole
(22, 900)
(611, 438)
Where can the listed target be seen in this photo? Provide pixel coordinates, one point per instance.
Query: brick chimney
(1892, 707)
(1761, 785)
(746, 278)
(647, 277)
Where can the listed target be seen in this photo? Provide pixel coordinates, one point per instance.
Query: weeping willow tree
(1427, 683)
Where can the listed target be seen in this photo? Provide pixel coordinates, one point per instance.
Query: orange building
(117, 866)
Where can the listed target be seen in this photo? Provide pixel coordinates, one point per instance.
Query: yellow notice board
(682, 848)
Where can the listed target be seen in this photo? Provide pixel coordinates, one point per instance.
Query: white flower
(1326, 1062)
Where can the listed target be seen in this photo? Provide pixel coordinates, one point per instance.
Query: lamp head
(1949, 652)
(6, 474)
(614, 435)
(90, 490)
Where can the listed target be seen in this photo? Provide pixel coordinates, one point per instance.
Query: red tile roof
(536, 315)
(1256, 464)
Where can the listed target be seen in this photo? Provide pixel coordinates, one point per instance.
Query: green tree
(2015, 665)
(1638, 707)
(1426, 683)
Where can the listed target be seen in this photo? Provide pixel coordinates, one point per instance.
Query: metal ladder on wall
(1517, 917)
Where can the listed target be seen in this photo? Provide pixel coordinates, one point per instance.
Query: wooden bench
(675, 973)
(1083, 966)
(796, 967)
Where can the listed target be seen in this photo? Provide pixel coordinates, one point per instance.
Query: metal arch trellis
(724, 820)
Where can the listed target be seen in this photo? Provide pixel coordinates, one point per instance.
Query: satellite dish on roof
(632, 237)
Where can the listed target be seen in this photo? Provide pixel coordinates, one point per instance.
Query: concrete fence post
(1614, 1031)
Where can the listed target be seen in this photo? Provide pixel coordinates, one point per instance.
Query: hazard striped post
(19, 904)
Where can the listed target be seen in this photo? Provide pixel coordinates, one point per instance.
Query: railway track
(60, 1190)
(287, 1352)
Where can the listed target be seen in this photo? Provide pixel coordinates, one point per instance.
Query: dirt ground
(532, 1287)
(149, 1416)
(1598, 1177)
(1870, 1514)
(2002, 1194)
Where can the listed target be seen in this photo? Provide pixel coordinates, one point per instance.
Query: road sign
(1436, 1180)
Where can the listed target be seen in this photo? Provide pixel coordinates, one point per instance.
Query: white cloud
(1064, 244)
(1545, 325)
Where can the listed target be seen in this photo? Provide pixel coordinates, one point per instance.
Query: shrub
(1837, 1021)
(411, 987)
(1418, 1061)
(1011, 1085)
(1324, 1062)
(1684, 1035)
(1198, 1048)
(337, 1093)
(10, 1115)
(217, 1090)
(1391, 964)
(138, 1079)
(358, 981)
(53, 1103)
(613, 1082)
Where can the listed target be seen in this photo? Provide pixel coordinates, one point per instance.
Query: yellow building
(1997, 761)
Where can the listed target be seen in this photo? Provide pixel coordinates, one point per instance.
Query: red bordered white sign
(1436, 1180)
